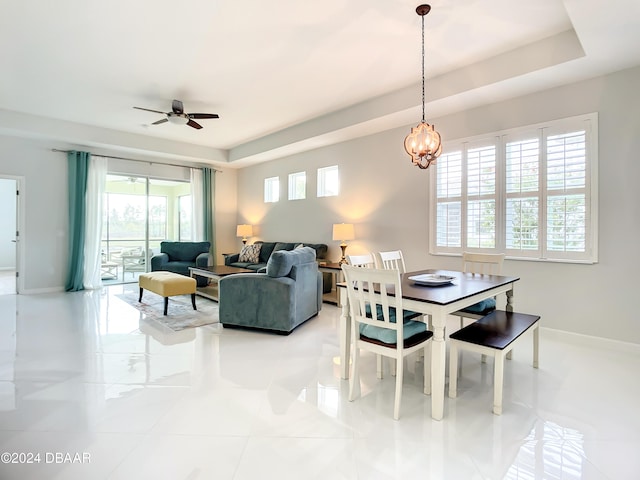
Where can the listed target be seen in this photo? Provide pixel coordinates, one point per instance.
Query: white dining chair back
(483, 263)
(374, 327)
(363, 261)
(391, 260)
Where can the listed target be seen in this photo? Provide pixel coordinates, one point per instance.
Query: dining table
(439, 300)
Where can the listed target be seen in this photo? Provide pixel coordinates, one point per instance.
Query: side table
(335, 269)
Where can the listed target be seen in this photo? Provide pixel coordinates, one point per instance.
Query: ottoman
(168, 284)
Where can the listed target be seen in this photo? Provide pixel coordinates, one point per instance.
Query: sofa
(287, 294)
(177, 257)
(267, 248)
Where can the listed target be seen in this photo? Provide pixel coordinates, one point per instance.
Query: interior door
(8, 235)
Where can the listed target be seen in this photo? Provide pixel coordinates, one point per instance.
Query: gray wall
(387, 200)
(44, 244)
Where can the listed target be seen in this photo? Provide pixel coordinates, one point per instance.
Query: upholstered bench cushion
(167, 284)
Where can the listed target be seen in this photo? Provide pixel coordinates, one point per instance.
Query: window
(297, 186)
(529, 192)
(184, 220)
(328, 181)
(271, 189)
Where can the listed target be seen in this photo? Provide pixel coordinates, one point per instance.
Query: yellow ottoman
(168, 284)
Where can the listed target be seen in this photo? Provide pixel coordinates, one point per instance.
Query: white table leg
(536, 342)
(345, 337)
(438, 362)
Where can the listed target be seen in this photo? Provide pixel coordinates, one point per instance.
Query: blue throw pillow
(386, 335)
(280, 263)
(485, 305)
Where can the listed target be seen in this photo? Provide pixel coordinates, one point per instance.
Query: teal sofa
(267, 248)
(177, 257)
(286, 295)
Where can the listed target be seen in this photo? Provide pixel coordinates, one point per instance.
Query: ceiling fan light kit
(179, 117)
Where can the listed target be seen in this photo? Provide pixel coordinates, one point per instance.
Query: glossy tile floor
(84, 389)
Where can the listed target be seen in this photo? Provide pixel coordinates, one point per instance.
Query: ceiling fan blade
(177, 106)
(162, 120)
(203, 115)
(193, 124)
(149, 110)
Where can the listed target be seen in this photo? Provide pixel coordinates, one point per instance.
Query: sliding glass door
(139, 213)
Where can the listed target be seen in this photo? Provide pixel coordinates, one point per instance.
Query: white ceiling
(286, 75)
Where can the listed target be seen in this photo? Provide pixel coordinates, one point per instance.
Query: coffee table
(214, 273)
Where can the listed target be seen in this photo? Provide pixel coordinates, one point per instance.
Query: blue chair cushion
(485, 306)
(385, 335)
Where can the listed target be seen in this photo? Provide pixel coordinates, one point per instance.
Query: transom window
(328, 181)
(271, 189)
(528, 192)
(297, 186)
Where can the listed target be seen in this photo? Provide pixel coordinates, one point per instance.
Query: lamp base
(343, 246)
(244, 241)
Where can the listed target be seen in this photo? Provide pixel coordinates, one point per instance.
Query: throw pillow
(300, 245)
(250, 253)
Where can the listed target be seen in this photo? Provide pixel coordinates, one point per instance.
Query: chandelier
(423, 144)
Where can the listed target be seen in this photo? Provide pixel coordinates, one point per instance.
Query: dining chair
(362, 261)
(485, 264)
(394, 260)
(391, 260)
(379, 332)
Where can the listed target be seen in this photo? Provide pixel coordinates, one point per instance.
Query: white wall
(7, 224)
(44, 200)
(44, 246)
(387, 200)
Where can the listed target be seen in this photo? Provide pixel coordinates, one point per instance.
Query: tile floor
(7, 282)
(81, 386)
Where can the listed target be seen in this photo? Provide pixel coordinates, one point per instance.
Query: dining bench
(493, 335)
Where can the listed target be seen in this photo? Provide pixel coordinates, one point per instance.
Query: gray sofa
(177, 257)
(286, 295)
(267, 248)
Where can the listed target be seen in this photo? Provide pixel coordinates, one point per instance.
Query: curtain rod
(136, 160)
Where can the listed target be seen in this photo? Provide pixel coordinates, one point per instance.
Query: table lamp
(244, 231)
(343, 232)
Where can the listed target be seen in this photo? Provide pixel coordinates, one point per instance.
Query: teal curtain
(78, 171)
(208, 195)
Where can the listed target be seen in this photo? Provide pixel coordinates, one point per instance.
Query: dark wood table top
(464, 285)
(329, 265)
(221, 270)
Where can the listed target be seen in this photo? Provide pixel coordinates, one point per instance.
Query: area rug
(180, 314)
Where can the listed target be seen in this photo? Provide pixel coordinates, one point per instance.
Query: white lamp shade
(343, 231)
(244, 231)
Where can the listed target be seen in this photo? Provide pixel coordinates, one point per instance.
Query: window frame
(322, 188)
(293, 180)
(272, 189)
(587, 123)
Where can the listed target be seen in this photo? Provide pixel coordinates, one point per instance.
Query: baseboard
(590, 340)
(36, 291)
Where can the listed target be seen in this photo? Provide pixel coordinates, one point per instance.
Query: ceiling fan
(178, 116)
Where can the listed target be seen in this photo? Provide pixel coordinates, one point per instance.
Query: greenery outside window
(297, 186)
(529, 192)
(185, 216)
